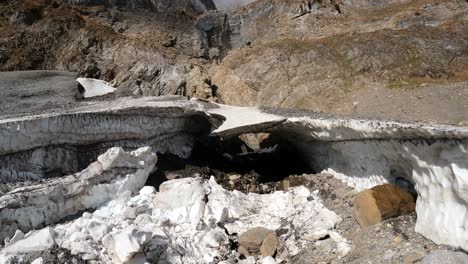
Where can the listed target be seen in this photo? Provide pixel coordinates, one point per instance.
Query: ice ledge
(242, 119)
(115, 172)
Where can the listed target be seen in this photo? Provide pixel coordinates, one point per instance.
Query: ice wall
(438, 168)
(365, 153)
(34, 147)
(45, 203)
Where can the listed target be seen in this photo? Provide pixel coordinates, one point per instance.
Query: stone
(388, 255)
(398, 240)
(381, 202)
(285, 185)
(243, 251)
(258, 241)
(234, 177)
(413, 257)
(40, 240)
(269, 245)
(446, 257)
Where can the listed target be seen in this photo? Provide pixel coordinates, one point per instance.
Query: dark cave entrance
(247, 162)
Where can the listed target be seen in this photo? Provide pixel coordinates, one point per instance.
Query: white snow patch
(238, 117)
(95, 87)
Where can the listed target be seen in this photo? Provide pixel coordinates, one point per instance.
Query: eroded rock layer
(159, 5)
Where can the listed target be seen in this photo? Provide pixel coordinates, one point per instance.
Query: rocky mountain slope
(149, 51)
(404, 60)
(398, 59)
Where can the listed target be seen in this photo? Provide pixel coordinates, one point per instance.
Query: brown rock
(254, 140)
(413, 257)
(398, 240)
(243, 251)
(269, 245)
(285, 185)
(382, 202)
(258, 241)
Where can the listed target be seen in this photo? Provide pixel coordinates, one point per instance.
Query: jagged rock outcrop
(139, 51)
(157, 5)
(397, 59)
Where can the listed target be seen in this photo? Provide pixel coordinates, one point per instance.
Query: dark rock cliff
(159, 5)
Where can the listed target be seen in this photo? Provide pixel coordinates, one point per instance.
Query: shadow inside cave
(271, 160)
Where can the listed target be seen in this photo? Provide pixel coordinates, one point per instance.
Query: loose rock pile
(190, 220)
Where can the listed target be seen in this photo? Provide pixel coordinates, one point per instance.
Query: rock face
(158, 5)
(390, 59)
(114, 173)
(258, 241)
(276, 53)
(142, 47)
(380, 203)
(365, 58)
